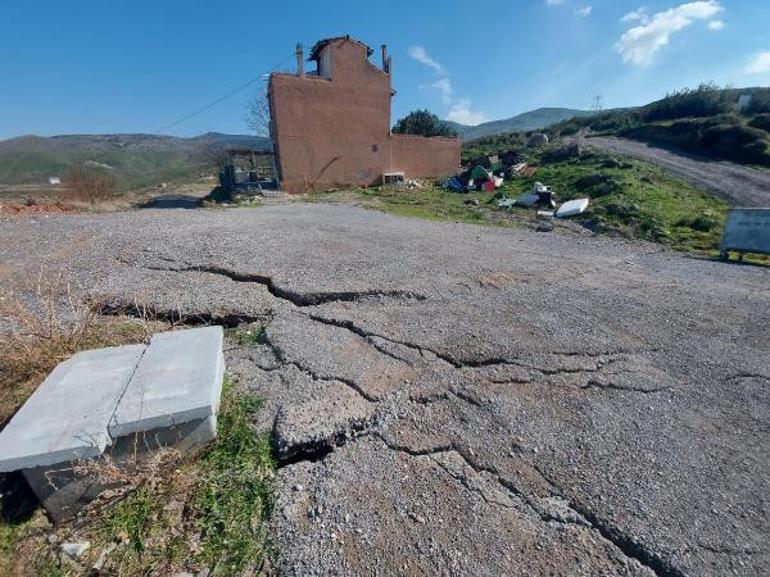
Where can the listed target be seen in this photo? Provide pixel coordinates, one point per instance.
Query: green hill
(137, 160)
(532, 120)
(728, 123)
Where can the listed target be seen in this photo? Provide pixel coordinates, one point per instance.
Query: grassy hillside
(532, 120)
(137, 160)
(707, 120)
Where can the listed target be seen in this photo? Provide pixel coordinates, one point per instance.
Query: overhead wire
(222, 98)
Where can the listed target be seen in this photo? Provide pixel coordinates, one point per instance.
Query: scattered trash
(505, 202)
(472, 201)
(456, 184)
(394, 178)
(527, 200)
(477, 178)
(572, 208)
(545, 213)
(518, 167)
(75, 550)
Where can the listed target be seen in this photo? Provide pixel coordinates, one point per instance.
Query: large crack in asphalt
(318, 449)
(630, 547)
(299, 299)
(175, 317)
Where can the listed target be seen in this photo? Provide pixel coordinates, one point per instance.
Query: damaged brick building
(331, 127)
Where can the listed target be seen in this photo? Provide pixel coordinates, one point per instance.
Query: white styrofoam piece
(68, 416)
(178, 380)
(572, 207)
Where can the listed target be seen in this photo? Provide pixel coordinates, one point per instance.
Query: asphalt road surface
(738, 185)
(448, 399)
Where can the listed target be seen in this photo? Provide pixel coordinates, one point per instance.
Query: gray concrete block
(67, 417)
(178, 380)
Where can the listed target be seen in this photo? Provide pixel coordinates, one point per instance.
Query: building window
(375, 148)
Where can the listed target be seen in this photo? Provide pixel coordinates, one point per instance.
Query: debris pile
(488, 173)
(542, 198)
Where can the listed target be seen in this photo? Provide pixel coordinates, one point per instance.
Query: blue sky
(94, 66)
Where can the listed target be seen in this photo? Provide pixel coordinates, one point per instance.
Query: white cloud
(459, 109)
(758, 63)
(584, 11)
(716, 25)
(553, 2)
(639, 15)
(461, 112)
(639, 45)
(444, 86)
(419, 53)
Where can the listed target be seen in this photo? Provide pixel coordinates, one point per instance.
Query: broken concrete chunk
(179, 380)
(98, 399)
(66, 418)
(330, 414)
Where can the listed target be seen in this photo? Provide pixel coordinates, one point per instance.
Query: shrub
(741, 143)
(90, 182)
(761, 121)
(701, 223)
(705, 100)
(760, 102)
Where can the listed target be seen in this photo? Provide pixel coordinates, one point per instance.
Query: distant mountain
(532, 120)
(137, 159)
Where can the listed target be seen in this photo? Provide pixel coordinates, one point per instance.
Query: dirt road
(738, 185)
(448, 399)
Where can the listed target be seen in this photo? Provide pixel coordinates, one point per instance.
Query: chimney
(300, 61)
(385, 59)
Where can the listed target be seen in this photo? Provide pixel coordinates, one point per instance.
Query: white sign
(747, 230)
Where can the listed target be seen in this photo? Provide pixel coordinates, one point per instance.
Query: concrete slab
(178, 380)
(67, 417)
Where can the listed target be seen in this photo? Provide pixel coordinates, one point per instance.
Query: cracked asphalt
(447, 399)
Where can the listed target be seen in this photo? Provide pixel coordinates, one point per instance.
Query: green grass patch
(234, 496)
(629, 198)
(635, 199)
(245, 337)
(210, 513)
(429, 203)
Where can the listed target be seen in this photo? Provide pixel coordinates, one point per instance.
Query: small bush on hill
(760, 102)
(705, 100)
(735, 141)
(761, 121)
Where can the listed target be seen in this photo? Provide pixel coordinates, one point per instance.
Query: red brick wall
(336, 133)
(420, 157)
(331, 134)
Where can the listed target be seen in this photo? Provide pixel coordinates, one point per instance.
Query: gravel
(462, 400)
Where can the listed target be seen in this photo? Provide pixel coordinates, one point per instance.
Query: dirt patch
(26, 209)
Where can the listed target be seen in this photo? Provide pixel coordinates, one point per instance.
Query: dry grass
(161, 514)
(90, 182)
(45, 322)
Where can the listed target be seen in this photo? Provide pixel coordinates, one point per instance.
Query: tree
(258, 115)
(423, 123)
